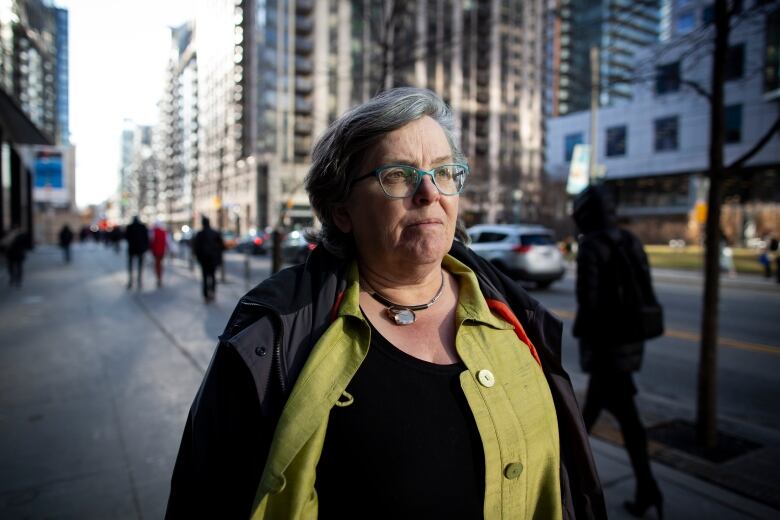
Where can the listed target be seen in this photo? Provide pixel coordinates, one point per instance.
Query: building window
(616, 141)
(667, 78)
(570, 141)
(772, 52)
(735, 62)
(708, 15)
(666, 134)
(733, 123)
(685, 23)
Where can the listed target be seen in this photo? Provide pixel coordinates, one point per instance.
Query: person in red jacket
(158, 245)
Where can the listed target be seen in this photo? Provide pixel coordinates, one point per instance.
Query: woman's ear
(342, 218)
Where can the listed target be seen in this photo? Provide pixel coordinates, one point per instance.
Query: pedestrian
(66, 237)
(208, 247)
(137, 236)
(604, 352)
(774, 249)
(394, 374)
(159, 245)
(15, 243)
(115, 236)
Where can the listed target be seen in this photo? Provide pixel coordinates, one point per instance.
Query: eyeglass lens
(399, 181)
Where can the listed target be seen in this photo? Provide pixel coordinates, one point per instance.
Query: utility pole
(594, 108)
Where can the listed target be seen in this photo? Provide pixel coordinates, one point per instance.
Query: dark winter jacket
(137, 236)
(66, 236)
(263, 349)
(208, 246)
(598, 281)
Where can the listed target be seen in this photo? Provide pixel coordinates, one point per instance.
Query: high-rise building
(177, 131)
(33, 46)
(62, 135)
(272, 74)
(617, 28)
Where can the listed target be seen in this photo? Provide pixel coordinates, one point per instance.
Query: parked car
(253, 243)
(295, 247)
(229, 239)
(524, 252)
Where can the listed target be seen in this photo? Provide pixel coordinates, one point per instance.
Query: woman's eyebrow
(438, 160)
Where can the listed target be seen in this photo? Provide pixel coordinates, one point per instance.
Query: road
(748, 354)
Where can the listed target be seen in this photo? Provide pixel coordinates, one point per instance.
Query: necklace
(404, 314)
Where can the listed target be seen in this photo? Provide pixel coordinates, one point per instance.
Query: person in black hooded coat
(610, 360)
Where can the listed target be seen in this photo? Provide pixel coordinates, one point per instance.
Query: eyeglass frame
(422, 173)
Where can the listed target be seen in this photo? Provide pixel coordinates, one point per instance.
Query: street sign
(578, 169)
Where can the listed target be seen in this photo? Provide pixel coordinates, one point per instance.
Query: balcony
(303, 106)
(303, 65)
(304, 6)
(304, 45)
(303, 126)
(304, 25)
(303, 86)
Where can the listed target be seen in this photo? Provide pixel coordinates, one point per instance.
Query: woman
(395, 374)
(159, 245)
(607, 351)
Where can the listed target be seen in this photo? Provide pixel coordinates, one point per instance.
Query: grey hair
(338, 155)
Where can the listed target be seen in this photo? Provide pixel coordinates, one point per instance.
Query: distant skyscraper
(62, 64)
(177, 132)
(619, 28)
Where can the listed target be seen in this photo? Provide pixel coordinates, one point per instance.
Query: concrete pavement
(96, 381)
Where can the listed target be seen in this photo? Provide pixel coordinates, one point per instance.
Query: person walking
(137, 236)
(774, 251)
(15, 244)
(604, 351)
(208, 246)
(159, 246)
(66, 237)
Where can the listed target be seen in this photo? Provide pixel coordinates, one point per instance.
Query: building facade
(176, 146)
(272, 74)
(33, 99)
(619, 29)
(655, 148)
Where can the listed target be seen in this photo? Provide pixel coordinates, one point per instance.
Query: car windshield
(539, 239)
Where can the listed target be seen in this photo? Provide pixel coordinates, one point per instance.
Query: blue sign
(48, 170)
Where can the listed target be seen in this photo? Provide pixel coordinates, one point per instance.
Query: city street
(749, 357)
(96, 381)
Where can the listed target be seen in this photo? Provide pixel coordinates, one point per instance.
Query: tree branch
(697, 88)
(756, 147)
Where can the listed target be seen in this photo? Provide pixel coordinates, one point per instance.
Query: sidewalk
(96, 382)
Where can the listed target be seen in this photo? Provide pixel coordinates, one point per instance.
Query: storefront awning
(16, 126)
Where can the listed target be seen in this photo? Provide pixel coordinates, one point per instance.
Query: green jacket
(504, 386)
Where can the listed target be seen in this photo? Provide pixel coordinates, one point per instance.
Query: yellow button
(486, 378)
(513, 470)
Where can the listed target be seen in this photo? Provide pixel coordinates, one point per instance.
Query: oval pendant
(401, 316)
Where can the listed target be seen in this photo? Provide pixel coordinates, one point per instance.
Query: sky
(118, 53)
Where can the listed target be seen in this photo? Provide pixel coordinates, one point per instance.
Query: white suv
(525, 252)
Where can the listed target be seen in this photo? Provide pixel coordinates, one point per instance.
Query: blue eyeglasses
(399, 181)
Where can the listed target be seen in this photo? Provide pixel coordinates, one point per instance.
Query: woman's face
(400, 234)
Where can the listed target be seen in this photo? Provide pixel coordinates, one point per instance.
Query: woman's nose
(426, 191)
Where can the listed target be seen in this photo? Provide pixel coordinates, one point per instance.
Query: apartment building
(654, 149)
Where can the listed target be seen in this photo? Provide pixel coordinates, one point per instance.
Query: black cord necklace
(403, 314)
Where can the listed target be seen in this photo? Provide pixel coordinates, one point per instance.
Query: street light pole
(594, 107)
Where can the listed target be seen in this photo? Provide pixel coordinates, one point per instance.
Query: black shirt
(406, 448)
